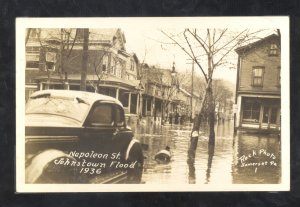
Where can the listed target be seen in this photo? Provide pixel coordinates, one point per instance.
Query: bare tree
(58, 41)
(209, 49)
(96, 61)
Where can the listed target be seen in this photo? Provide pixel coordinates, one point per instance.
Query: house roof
(247, 47)
(103, 34)
(158, 75)
(96, 35)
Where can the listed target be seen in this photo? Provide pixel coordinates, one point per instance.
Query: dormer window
(114, 41)
(35, 33)
(273, 50)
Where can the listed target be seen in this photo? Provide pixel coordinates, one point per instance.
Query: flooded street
(235, 159)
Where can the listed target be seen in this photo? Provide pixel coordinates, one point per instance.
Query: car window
(59, 106)
(119, 116)
(102, 115)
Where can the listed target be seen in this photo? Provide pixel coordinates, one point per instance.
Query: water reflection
(257, 159)
(208, 164)
(211, 151)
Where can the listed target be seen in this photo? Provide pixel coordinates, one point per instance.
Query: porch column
(117, 93)
(137, 103)
(239, 111)
(129, 101)
(152, 106)
(41, 86)
(141, 104)
(66, 86)
(146, 105)
(278, 124)
(261, 112)
(47, 86)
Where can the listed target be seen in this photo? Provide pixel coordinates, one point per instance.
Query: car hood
(50, 120)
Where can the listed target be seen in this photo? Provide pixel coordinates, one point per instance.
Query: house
(41, 56)
(57, 61)
(258, 85)
(163, 97)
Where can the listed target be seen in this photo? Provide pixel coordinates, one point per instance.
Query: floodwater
(234, 159)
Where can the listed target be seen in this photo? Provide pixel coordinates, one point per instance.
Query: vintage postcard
(152, 104)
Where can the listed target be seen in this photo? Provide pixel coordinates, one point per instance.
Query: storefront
(260, 112)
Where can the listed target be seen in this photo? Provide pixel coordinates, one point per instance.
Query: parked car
(76, 137)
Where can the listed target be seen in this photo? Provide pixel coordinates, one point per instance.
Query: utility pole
(192, 87)
(61, 71)
(192, 90)
(84, 62)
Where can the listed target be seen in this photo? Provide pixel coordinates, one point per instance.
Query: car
(79, 137)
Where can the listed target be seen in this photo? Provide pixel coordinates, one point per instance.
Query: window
(33, 50)
(102, 115)
(32, 61)
(273, 50)
(50, 60)
(251, 111)
(270, 115)
(114, 41)
(120, 120)
(32, 65)
(278, 76)
(131, 65)
(258, 76)
(104, 63)
(118, 72)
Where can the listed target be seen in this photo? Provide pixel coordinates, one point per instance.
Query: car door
(105, 130)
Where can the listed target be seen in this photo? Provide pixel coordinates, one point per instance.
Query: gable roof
(247, 47)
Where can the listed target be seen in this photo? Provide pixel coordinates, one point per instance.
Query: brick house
(258, 85)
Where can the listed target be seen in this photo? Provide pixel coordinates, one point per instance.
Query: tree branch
(199, 40)
(195, 59)
(177, 44)
(72, 44)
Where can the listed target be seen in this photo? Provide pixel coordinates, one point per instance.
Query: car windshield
(60, 106)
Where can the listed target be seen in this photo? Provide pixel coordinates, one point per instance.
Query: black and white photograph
(152, 104)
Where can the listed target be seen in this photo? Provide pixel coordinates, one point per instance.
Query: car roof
(83, 95)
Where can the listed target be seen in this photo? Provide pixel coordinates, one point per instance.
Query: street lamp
(173, 72)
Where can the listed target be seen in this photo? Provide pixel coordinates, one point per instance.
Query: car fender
(131, 143)
(40, 161)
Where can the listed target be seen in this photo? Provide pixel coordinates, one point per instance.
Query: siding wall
(259, 56)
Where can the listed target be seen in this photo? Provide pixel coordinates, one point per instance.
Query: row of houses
(54, 61)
